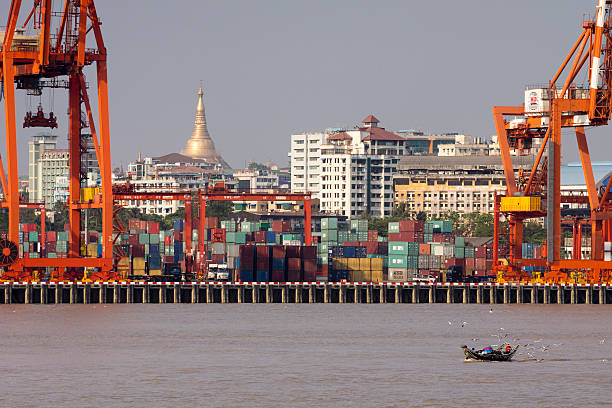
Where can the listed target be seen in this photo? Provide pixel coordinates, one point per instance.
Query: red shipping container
(279, 252)
(217, 235)
(293, 251)
(316, 240)
(220, 258)
(51, 246)
(211, 222)
(247, 252)
(167, 240)
(372, 248)
(277, 276)
(133, 224)
(277, 226)
(481, 252)
(263, 251)
(294, 276)
(411, 225)
(310, 265)
(373, 235)
(323, 270)
(294, 264)
(424, 249)
(178, 236)
(309, 252)
(153, 227)
(455, 262)
(259, 236)
(168, 259)
(133, 239)
(51, 236)
(481, 264)
(310, 276)
(470, 264)
(138, 250)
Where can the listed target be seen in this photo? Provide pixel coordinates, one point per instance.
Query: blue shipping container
(246, 276)
(263, 276)
(349, 252)
(155, 262)
(270, 236)
(179, 257)
(178, 248)
(178, 225)
(278, 264)
(153, 249)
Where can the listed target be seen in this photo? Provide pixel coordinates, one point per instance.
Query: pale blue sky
(272, 68)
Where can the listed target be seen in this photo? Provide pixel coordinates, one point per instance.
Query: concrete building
(36, 147)
(357, 168)
(305, 160)
(54, 165)
(257, 181)
(463, 184)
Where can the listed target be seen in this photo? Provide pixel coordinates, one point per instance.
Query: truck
(218, 272)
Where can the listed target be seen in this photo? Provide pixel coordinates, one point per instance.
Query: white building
(305, 158)
(53, 166)
(36, 147)
(357, 168)
(257, 181)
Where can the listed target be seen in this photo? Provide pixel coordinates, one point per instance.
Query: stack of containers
(247, 263)
(294, 263)
(262, 262)
(329, 237)
(179, 245)
(278, 266)
(309, 263)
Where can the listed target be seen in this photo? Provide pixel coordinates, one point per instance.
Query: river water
(300, 355)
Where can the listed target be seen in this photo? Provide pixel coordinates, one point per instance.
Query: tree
(220, 209)
(257, 166)
(534, 233)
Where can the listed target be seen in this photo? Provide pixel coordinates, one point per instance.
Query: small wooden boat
(499, 354)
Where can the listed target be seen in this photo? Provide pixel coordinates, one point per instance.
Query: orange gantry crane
(545, 112)
(58, 49)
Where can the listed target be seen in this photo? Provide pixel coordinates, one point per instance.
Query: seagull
(474, 340)
(463, 324)
(490, 310)
(602, 341)
(557, 344)
(450, 323)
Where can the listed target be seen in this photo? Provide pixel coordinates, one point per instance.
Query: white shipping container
(437, 249)
(398, 274)
(233, 250)
(537, 102)
(608, 246)
(218, 248)
(607, 256)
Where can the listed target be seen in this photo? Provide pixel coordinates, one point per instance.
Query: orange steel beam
(3, 176)
(187, 228)
(596, 54)
(27, 20)
(45, 31)
(534, 169)
(74, 141)
(60, 33)
(12, 192)
(567, 59)
(587, 169)
(502, 139)
(107, 185)
(92, 125)
(82, 32)
(11, 24)
(554, 191)
(308, 221)
(201, 229)
(604, 197)
(95, 24)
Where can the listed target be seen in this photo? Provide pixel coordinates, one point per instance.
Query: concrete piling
(85, 292)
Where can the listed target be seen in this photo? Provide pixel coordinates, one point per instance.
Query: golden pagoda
(200, 145)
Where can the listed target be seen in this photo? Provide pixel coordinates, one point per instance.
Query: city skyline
(270, 70)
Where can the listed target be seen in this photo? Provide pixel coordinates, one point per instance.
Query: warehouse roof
(472, 162)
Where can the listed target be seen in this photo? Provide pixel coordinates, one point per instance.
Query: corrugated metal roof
(572, 175)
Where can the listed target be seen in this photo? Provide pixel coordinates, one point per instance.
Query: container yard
(201, 248)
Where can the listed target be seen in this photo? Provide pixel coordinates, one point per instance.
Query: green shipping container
(359, 226)
(33, 236)
(398, 248)
(413, 248)
(153, 238)
(398, 261)
(470, 252)
(329, 223)
(393, 227)
(459, 241)
(329, 235)
(459, 252)
(143, 239)
(229, 225)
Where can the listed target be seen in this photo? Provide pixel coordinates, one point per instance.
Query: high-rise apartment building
(36, 147)
(305, 158)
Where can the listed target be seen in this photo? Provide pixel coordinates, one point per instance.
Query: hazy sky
(272, 68)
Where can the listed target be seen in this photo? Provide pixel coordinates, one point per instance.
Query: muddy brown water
(320, 355)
